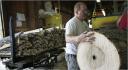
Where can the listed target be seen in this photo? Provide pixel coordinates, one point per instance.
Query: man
(122, 21)
(75, 33)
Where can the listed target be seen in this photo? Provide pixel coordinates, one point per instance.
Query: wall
(28, 8)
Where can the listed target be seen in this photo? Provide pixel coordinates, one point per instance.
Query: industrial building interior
(32, 33)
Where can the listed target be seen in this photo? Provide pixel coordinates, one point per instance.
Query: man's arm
(72, 39)
(84, 37)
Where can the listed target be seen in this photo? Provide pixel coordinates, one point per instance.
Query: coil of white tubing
(99, 55)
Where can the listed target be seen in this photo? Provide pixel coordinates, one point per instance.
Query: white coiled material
(101, 54)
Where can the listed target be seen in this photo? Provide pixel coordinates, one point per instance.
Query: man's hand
(86, 37)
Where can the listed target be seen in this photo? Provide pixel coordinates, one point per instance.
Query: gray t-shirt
(74, 27)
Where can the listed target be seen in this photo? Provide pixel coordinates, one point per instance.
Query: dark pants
(71, 62)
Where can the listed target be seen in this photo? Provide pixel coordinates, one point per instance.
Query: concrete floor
(60, 65)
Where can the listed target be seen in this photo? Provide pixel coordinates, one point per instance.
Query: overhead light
(57, 27)
(90, 26)
(98, 1)
(103, 11)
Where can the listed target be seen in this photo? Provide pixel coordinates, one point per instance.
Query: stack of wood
(35, 43)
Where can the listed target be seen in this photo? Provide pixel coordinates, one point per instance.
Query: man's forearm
(72, 39)
(84, 37)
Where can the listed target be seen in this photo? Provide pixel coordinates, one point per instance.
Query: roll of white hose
(99, 55)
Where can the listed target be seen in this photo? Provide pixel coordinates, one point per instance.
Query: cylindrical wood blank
(101, 54)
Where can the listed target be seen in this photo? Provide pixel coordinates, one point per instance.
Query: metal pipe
(12, 39)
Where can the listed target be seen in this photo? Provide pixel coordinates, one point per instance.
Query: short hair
(78, 5)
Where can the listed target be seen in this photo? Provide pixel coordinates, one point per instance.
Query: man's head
(80, 10)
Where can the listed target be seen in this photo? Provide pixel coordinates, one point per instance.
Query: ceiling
(68, 5)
